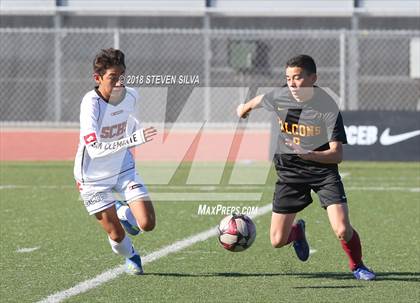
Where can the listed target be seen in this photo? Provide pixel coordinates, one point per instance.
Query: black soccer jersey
(312, 125)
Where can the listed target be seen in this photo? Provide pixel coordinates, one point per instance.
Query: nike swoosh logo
(387, 139)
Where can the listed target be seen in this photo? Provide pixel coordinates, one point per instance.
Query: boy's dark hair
(108, 58)
(305, 62)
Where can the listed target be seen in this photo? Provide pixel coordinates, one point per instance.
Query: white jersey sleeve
(97, 149)
(89, 120)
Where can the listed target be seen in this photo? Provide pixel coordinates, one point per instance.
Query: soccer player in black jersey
(311, 135)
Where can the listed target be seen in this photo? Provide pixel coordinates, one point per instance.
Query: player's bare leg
(120, 243)
(281, 225)
(283, 232)
(111, 224)
(338, 214)
(144, 213)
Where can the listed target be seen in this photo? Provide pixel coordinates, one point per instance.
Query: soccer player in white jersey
(104, 165)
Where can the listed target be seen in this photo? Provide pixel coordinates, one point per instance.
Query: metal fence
(45, 72)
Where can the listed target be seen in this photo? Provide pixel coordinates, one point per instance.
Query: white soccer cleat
(133, 265)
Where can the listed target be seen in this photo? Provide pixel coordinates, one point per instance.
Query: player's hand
(241, 112)
(298, 150)
(149, 133)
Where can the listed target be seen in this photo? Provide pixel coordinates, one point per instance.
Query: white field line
(344, 174)
(115, 272)
(27, 250)
(312, 251)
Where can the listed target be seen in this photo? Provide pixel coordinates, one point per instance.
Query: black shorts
(294, 197)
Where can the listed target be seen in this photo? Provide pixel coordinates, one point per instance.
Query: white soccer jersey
(109, 127)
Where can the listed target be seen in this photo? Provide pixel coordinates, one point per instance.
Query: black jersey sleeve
(335, 127)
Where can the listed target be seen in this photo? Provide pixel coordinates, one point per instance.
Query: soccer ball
(236, 232)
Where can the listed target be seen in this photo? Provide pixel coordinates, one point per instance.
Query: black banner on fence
(382, 136)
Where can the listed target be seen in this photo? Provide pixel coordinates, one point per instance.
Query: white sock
(124, 248)
(125, 213)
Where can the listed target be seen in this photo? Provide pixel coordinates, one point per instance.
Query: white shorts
(101, 195)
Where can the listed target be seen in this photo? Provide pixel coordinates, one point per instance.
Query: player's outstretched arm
(97, 149)
(244, 109)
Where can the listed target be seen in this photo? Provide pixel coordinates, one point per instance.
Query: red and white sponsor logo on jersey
(90, 138)
(108, 132)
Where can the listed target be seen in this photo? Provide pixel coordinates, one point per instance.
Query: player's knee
(116, 235)
(148, 224)
(278, 241)
(342, 232)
